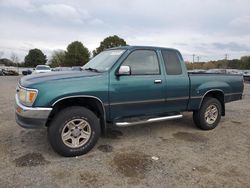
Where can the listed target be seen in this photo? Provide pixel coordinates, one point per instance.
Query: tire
(209, 120)
(74, 131)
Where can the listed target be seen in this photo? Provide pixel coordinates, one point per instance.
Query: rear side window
(143, 62)
(172, 62)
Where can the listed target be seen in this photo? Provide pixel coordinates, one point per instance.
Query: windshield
(42, 68)
(103, 61)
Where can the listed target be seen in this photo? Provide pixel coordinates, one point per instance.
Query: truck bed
(231, 85)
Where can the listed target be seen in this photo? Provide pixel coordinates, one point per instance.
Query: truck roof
(142, 47)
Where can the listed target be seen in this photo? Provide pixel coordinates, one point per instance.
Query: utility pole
(226, 57)
(193, 61)
(198, 59)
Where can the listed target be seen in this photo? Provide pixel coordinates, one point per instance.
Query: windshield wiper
(92, 69)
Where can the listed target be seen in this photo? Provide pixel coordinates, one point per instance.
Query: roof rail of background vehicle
(141, 47)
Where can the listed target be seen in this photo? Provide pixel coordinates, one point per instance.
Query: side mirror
(124, 70)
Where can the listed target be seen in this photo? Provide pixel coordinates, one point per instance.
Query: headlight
(26, 96)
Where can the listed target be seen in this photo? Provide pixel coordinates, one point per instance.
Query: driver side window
(143, 62)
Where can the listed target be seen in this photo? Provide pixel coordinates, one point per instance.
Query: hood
(27, 81)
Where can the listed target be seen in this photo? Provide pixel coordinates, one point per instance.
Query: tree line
(76, 54)
(242, 63)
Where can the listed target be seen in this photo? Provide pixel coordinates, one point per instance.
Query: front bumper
(31, 117)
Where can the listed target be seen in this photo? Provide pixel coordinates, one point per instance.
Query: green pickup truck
(120, 87)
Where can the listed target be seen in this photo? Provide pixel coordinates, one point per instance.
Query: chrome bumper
(31, 117)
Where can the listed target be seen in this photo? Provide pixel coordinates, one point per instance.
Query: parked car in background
(26, 72)
(76, 68)
(42, 69)
(61, 69)
(246, 75)
(234, 71)
(217, 71)
(8, 73)
(197, 71)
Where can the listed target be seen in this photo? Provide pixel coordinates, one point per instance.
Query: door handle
(157, 81)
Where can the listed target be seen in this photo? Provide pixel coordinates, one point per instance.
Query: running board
(150, 120)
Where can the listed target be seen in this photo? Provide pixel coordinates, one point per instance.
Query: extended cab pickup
(121, 86)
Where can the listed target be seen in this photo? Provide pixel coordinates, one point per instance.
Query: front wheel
(74, 131)
(209, 115)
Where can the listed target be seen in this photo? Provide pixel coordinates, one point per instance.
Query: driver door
(141, 92)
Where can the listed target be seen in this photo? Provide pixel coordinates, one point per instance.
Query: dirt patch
(133, 165)
(134, 181)
(89, 179)
(114, 134)
(230, 172)
(105, 148)
(30, 159)
(60, 174)
(202, 169)
(190, 137)
(164, 139)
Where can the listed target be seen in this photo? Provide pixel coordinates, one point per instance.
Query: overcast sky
(208, 28)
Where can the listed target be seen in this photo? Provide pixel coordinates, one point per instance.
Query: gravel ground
(183, 156)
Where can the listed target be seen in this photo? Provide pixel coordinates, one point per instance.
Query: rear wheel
(74, 131)
(209, 114)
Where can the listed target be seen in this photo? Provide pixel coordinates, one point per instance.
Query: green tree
(245, 62)
(35, 57)
(234, 64)
(76, 54)
(58, 58)
(109, 42)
